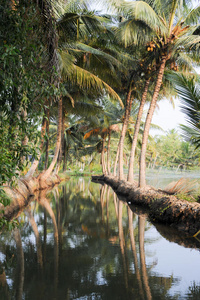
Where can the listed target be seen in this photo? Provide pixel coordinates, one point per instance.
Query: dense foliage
(58, 64)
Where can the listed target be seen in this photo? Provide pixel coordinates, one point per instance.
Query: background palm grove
(74, 82)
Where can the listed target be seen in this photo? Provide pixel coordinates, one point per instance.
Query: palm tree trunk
(64, 156)
(116, 161)
(60, 156)
(123, 133)
(47, 173)
(47, 140)
(136, 131)
(108, 153)
(103, 158)
(142, 169)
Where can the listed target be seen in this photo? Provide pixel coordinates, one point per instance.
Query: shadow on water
(80, 241)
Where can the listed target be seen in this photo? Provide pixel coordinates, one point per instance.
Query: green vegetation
(73, 84)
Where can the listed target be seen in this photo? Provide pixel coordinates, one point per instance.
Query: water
(80, 242)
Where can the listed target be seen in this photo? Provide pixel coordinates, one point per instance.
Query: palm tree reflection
(133, 246)
(19, 280)
(141, 224)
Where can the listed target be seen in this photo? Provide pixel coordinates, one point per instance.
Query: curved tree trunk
(136, 131)
(142, 170)
(123, 133)
(47, 173)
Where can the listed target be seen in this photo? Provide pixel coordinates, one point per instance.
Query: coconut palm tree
(69, 61)
(172, 33)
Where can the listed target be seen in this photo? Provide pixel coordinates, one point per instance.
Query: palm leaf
(87, 80)
(142, 11)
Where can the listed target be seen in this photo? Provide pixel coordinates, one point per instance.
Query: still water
(79, 241)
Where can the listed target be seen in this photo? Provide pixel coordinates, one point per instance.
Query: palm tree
(69, 58)
(171, 35)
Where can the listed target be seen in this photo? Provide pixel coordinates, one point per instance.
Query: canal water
(79, 241)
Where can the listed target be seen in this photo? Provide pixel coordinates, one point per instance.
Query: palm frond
(88, 80)
(193, 16)
(142, 11)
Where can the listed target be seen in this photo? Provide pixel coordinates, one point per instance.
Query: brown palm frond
(183, 185)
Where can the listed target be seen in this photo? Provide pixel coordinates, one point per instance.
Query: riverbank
(162, 208)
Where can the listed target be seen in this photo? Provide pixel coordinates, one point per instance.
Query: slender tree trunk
(64, 156)
(47, 139)
(60, 156)
(123, 133)
(108, 153)
(103, 158)
(47, 173)
(142, 169)
(136, 131)
(116, 161)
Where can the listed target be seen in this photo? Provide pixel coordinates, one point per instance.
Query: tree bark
(142, 169)
(136, 131)
(123, 132)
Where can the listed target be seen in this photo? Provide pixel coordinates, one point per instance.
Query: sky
(168, 117)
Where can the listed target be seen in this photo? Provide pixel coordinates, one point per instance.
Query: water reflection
(81, 242)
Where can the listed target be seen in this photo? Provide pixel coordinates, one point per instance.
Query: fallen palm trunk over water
(24, 190)
(164, 208)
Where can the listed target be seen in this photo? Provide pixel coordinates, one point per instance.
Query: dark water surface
(80, 242)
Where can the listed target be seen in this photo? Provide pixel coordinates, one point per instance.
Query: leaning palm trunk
(47, 173)
(123, 133)
(142, 169)
(136, 131)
